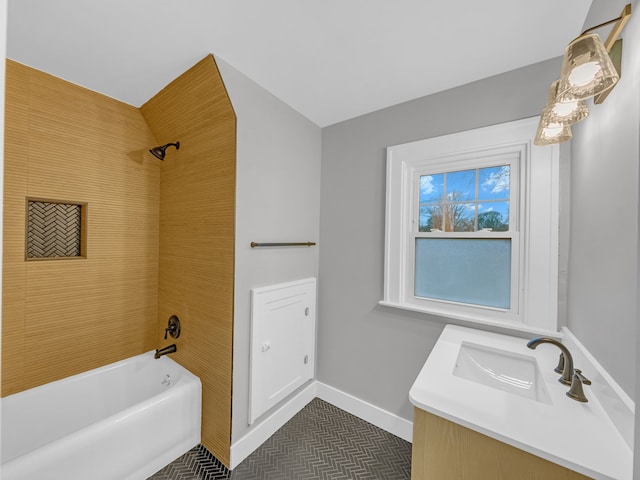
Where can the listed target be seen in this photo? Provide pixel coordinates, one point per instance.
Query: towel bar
(283, 244)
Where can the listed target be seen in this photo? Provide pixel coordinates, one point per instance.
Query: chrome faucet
(567, 365)
(163, 351)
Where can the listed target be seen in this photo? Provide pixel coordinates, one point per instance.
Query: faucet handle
(560, 367)
(576, 392)
(173, 327)
(582, 378)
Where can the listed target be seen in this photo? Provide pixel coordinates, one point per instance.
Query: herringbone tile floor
(320, 442)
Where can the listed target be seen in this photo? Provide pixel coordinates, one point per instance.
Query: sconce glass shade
(566, 113)
(548, 134)
(587, 69)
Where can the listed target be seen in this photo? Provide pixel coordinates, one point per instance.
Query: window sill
(471, 321)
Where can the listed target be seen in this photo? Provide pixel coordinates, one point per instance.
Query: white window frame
(533, 222)
(488, 158)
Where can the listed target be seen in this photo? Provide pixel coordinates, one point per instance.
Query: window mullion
(476, 201)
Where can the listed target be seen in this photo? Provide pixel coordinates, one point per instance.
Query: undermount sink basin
(507, 371)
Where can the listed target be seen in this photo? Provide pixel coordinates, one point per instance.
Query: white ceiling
(331, 60)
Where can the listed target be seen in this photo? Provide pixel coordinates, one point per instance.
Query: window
(471, 227)
(463, 237)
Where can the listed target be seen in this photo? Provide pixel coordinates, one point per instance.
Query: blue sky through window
(431, 188)
(464, 200)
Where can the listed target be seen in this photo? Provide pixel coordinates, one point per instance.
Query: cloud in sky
(497, 181)
(426, 184)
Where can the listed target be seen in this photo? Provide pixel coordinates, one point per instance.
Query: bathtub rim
(187, 381)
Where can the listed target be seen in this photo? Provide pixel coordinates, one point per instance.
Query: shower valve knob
(173, 327)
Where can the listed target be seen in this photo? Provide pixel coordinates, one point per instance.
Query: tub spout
(163, 351)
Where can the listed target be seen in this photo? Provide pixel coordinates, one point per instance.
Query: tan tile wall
(197, 231)
(62, 317)
(160, 234)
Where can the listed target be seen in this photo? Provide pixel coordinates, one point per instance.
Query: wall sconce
(587, 71)
(552, 133)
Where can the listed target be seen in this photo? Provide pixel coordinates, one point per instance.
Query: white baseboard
(270, 425)
(389, 422)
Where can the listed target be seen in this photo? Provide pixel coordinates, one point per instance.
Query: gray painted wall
(636, 453)
(277, 199)
(369, 351)
(603, 265)
(373, 352)
(606, 157)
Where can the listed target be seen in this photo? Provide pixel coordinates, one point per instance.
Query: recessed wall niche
(55, 229)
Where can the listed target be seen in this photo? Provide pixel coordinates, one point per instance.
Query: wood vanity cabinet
(444, 450)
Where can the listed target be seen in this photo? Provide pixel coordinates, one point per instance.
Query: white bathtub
(123, 421)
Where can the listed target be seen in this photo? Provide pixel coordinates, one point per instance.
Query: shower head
(159, 152)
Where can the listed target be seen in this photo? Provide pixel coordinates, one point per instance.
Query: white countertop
(579, 436)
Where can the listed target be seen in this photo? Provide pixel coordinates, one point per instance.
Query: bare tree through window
(465, 201)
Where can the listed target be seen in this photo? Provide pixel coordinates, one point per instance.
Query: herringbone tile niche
(55, 229)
